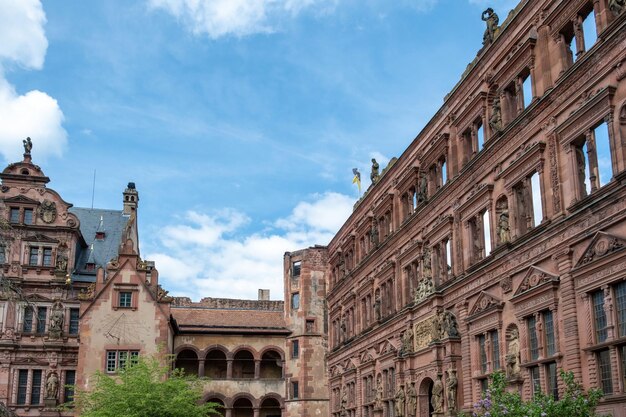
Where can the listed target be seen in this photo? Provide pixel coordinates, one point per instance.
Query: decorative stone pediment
(35, 298)
(366, 357)
(602, 244)
(485, 302)
(349, 365)
(386, 347)
(20, 199)
(535, 277)
(39, 237)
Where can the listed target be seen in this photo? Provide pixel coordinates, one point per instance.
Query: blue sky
(239, 120)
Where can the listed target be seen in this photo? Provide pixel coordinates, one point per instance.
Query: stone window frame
(29, 386)
(34, 307)
(479, 200)
(430, 166)
(125, 287)
(598, 109)
(466, 122)
(441, 231)
(129, 349)
(410, 263)
(407, 188)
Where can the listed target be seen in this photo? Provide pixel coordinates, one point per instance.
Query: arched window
(221, 410)
(187, 360)
(215, 364)
(270, 407)
(271, 365)
(242, 408)
(243, 365)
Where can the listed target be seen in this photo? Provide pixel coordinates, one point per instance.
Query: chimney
(264, 295)
(131, 198)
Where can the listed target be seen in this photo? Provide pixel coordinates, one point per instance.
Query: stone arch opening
(187, 360)
(424, 403)
(270, 407)
(243, 365)
(242, 407)
(221, 409)
(271, 365)
(215, 365)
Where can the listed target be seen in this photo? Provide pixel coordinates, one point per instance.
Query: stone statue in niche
(436, 399)
(377, 306)
(491, 18)
(495, 121)
(344, 400)
(504, 229)
(28, 146)
(427, 264)
(451, 385)
(617, 6)
(437, 326)
(374, 233)
(61, 263)
(374, 175)
(56, 321)
(344, 328)
(400, 401)
(450, 326)
(424, 289)
(422, 192)
(407, 341)
(513, 355)
(52, 386)
(411, 400)
(378, 404)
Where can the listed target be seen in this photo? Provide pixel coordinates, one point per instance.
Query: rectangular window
(527, 90)
(35, 391)
(295, 349)
(482, 353)
(28, 216)
(41, 319)
(295, 301)
(533, 343)
(495, 349)
(552, 385)
(535, 380)
(117, 359)
(15, 215)
(28, 320)
(480, 136)
(70, 381)
(22, 386)
(487, 232)
(603, 153)
(74, 321)
(33, 256)
(620, 298)
(295, 394)
(47, 256)
(549, 333)
(535, 189)
(295, 269)
(589, 30)
(125, 299)
(604, 365)
(484, 385)
(599, 316)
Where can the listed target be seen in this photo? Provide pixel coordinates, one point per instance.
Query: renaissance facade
(495, 242)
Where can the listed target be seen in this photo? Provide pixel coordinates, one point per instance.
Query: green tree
(498, 402)
(145, 388)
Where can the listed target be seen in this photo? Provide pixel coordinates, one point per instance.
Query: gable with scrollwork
(603, 244)
(534, 278)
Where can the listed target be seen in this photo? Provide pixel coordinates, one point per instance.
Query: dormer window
(90, 267)
(100, 235)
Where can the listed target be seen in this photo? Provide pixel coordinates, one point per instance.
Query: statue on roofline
(492, 20)
(617, 6)
(374, 174)
(28, 146)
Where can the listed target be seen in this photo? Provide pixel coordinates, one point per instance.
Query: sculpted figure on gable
(492, 20)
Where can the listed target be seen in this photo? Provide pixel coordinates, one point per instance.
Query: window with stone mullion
(604, 365)
(495, 350)
(549, 333)
(532, 338)
(483, 354)
(599, 316)
(620, 297)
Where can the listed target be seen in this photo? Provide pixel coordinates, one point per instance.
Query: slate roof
(114, 222)
(210, 320)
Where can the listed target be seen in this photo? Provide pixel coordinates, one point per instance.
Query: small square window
(295, 301)
(310, 325)
(28, 216)
(15, 215)
(33, 256)
(47, 256)
(296, 267)
(125, 299)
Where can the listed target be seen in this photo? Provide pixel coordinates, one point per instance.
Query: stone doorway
(425, 407)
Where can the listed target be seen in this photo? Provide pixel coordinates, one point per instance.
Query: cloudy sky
(239, 120)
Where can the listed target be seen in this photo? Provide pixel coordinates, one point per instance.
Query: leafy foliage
(144, 388)
(498, 402)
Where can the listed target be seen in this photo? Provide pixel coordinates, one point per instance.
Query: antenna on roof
(93, 190)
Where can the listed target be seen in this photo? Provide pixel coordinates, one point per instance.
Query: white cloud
(218, 18)
(203, 256)
(35, 114)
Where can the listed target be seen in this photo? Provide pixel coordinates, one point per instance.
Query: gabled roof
(103, 249)
(211, 320)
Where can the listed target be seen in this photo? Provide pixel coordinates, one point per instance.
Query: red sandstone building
(496, 240)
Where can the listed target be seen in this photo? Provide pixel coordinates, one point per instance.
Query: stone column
(201, 368)
(228, 412)
(256, 412)
(229, 369)
(257, 369)
(592, 157)
(569, 314)
(578, 33)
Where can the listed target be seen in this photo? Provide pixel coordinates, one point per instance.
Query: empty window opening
(271, 365)
(603, 150)
(215, 365)
(527, 89)
(590, 34)
(187, 361)
(480, 136)
(487, 232)
(243, 365)
(536, 196)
